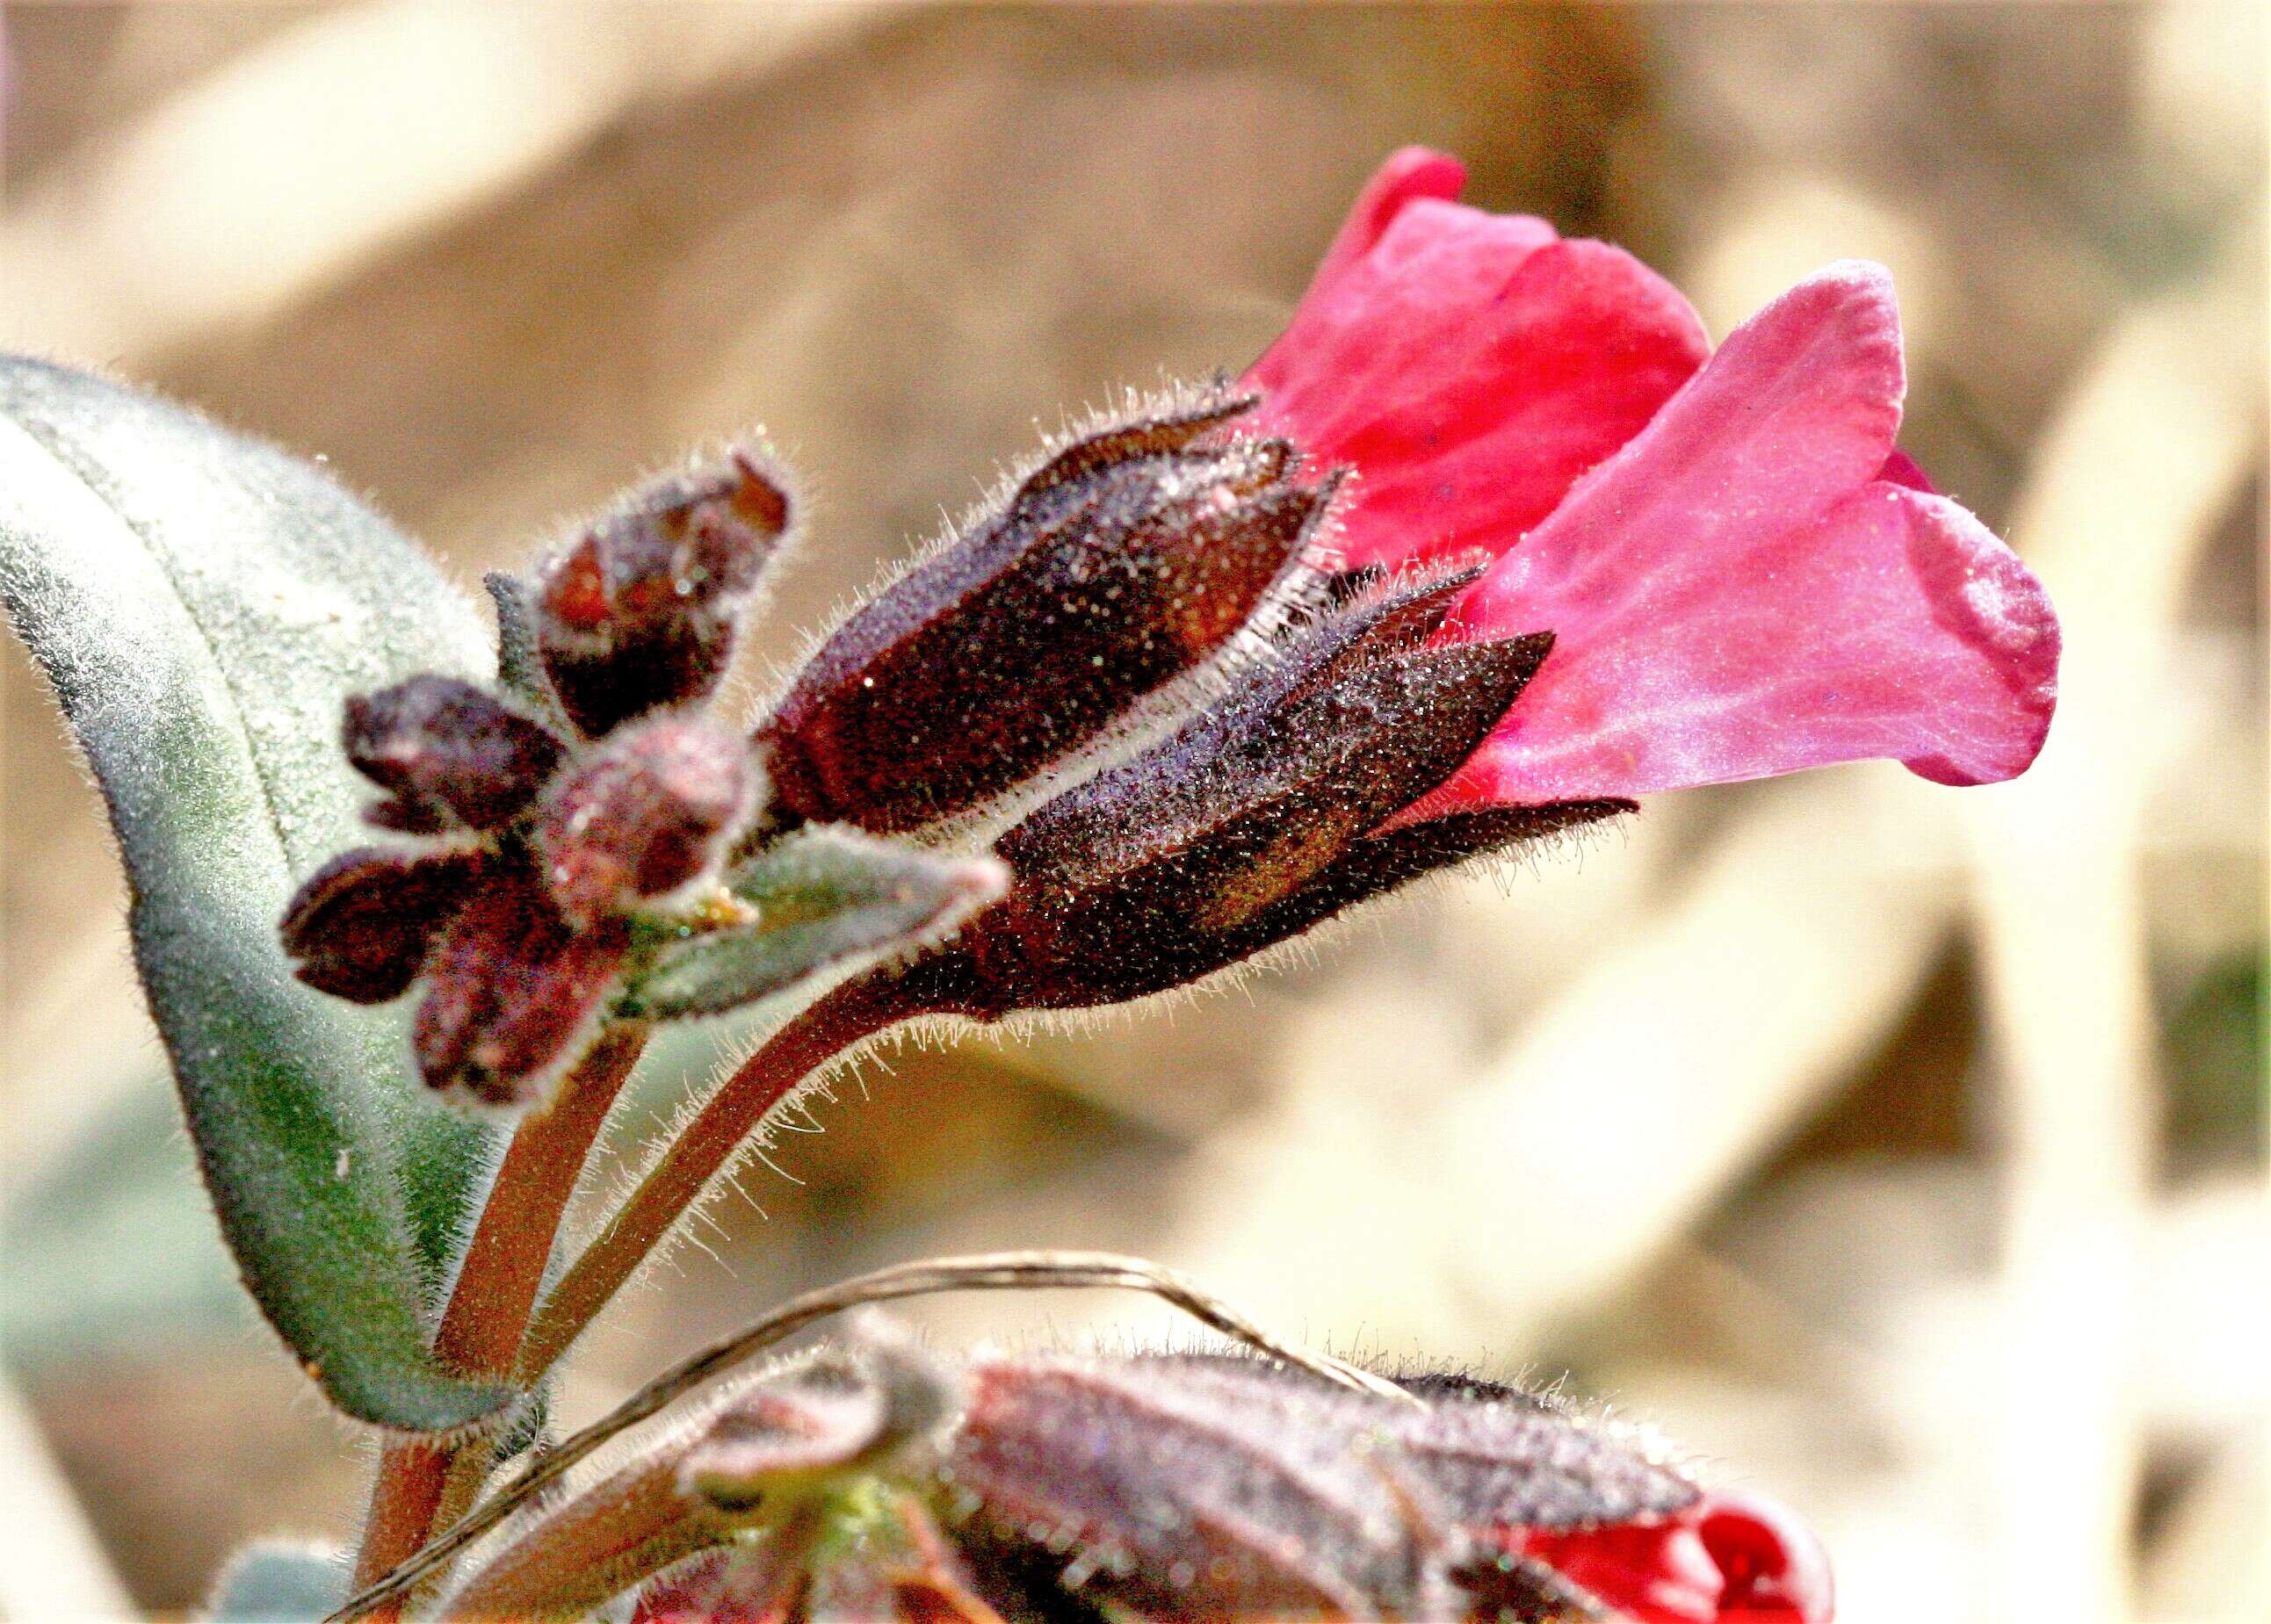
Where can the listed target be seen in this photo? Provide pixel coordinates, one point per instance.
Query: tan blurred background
(1898, 1150)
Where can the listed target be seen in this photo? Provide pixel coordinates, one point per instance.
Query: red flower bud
(511, 987)
(363, 924)
(1130, 557)
(641, 609)
(454, 755)
(650, 811)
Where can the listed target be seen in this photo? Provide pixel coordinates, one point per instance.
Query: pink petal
(1470, 366)
(1408, 173)
(1729, 1559)
(1736, 594)
(1901, 469)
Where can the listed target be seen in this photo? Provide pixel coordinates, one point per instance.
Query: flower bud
(454, 756)
(363, 924)
(511, 987)
(641, 609)
(648, 812)
(1254, 822)
(1130, 557)
(889, 1482)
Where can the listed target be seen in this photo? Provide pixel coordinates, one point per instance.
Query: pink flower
(1743, 575)
(1731, 1558)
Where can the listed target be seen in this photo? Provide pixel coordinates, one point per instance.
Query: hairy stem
(488, 1308)
(404, 1498)
(596, 1546)
(856, 1010)
(495, 1290)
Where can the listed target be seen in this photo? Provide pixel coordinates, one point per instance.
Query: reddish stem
(488, 1308)
(497, 1285)
(853, 1010)
(596, 1547)
(403, 1497)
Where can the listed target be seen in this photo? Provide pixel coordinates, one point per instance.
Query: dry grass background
(1902, 1151)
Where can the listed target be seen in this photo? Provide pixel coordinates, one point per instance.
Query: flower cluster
(552, 821)
(876, 1481)
(1488, 543)
(1744, 574)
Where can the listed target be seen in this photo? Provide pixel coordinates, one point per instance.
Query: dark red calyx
(649, 811)
(510, 989)
(454, 755)
(641, 609)
(1132, 556)
(1248, 825)
(362, 926)
(1194, 1490)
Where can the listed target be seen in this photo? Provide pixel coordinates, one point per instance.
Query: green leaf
(201, 603)
(273, 1582)
(825, 898)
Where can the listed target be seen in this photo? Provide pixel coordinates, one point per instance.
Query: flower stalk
(487, 1312)
(839, 1020)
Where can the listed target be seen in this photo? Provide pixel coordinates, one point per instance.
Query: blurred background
(1898, 1151)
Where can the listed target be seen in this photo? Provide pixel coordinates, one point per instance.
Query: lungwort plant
(1488, 544)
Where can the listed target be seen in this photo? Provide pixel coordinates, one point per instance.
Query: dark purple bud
(646, 814)
(1243, 1492)
(1129, 558)
(362, 926)
(454, 755)
(641, 609)
(1250, 824)
(510, 989)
